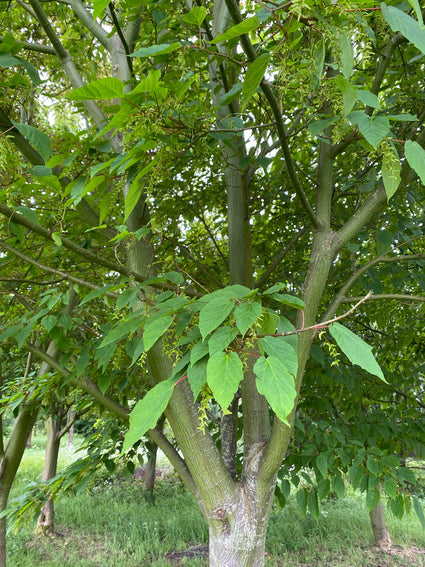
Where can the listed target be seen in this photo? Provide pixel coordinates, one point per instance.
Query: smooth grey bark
(46, 520)
(379, 527)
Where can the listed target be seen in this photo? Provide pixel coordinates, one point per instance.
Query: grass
(119, 524)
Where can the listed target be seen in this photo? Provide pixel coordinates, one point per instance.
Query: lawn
(117, 523)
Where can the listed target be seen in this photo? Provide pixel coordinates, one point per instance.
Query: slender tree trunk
(4, 494)
(71, 429)
(379, 527)
(46, 520)
(10, 462)
(151, 468)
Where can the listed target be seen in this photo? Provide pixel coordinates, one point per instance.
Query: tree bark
(46, 520)
(238, 527)
(379, 527)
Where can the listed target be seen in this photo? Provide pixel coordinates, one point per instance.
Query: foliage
(216, 184)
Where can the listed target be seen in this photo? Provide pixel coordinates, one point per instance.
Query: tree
(210, 157)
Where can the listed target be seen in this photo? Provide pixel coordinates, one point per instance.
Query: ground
(93, 549)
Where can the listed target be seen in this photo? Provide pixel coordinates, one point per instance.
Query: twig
(323, 325)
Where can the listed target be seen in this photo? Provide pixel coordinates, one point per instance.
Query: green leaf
(221, 339)
(403, 117)
(323, 488)
(313, 504)
(230, 95)
(319, 53)
(9, 332)
(416, 6)
(137, 351)
(337, 483)
(372, 498)
(48, 322)
(373, 466)
(349, 94)
(253, 78)
(38, 139)
(154, 329)
(389, 486)
(23, 334)
(41, 171)
(319, 125)
(276, 384)
(384, 240)
(301, 499)
(99, 7)
(419, 511)
(214, 313)
(136, 189)
(197, 376)
(56, 237)
(246, 26)
(198, 351)
(83, 360)
(322, 464)
(402, 22)
(289, 300)
(406, 475)
(147, 411)
(397, 506)
(159, 49)
(7, 61)
(120, 331)
(357, 351)
(224, 373)
(415, 156)
(95, 293)
(355, 473)
(391, 173)
(268, 322)
(373, 128)
(28, 213)
(282, 349)
(347, 55)
(368, 99)
(275, 288)
(196, 15)
(102, 89)
(246, 315)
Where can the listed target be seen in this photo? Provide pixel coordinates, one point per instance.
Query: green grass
(119, 524)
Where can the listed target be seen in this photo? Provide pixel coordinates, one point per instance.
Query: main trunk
(238, 533)
(379, 527)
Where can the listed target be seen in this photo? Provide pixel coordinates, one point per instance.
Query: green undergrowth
(118, 523)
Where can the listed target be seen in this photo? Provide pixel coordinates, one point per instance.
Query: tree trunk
(10, 462)
(238, 528)
(71, 429)
(151, 468)
(46, 520)
(379, 527)
(4, 494)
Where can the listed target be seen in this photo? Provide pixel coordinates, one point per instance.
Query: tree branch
(279, 258)
(280, 127)
(35, 47)
(380, 296)
(67, 63)
(123, 413)
(45, 268)
(341, 295)
(87, 20)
